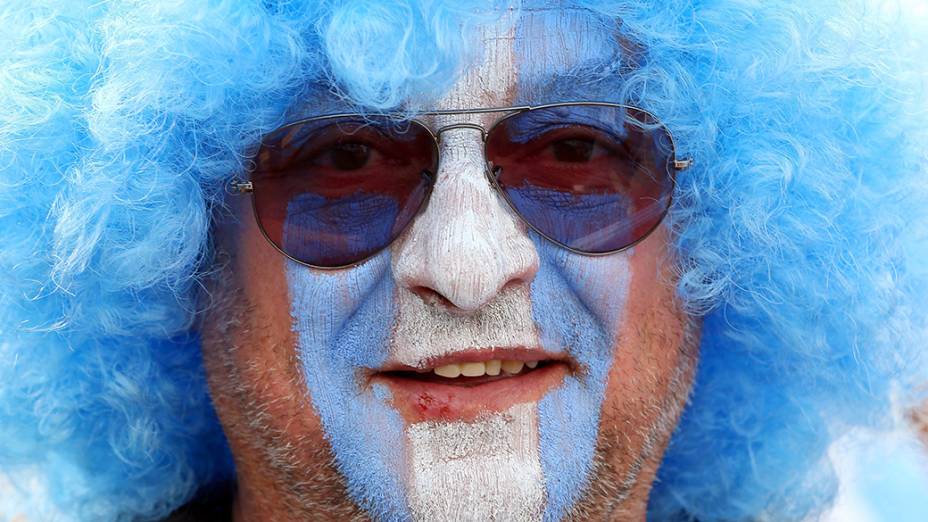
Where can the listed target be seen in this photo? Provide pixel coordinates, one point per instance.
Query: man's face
(335, 387)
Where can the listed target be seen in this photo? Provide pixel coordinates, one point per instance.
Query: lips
(464, 385)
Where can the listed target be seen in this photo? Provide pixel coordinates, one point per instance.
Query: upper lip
(480, 355)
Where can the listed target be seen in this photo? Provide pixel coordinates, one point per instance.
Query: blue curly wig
(798, 229)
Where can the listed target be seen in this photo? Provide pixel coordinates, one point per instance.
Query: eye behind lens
(593, 178)
(348, 156)
(574, 150)
(343, 191)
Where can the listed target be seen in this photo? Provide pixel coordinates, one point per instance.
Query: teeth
(513, 367)
(478, 369)
(450, 371)
(473, 369)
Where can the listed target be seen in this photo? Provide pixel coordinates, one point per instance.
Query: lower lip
(419, 401)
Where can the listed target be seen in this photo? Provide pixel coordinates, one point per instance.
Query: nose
(467, 245)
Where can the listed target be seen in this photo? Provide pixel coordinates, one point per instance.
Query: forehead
(527, 57)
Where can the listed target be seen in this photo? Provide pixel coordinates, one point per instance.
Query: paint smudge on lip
(440, 399)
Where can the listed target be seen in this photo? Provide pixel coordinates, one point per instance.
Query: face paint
(486, 468)
(466, 275)
(569, 69)
(491, 467)
(425, 332)
(577, 302)
(342, 322)
(574, 304)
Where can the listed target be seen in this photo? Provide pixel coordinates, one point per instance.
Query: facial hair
(308, 483)
(309, 487)
(605, 496)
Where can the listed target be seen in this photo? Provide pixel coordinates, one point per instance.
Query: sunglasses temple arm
(240, 187)
(682, 164)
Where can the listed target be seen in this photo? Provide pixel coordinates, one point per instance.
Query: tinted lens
(593, 178)
(333, 192)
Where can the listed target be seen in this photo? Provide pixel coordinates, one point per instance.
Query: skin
(465, 254)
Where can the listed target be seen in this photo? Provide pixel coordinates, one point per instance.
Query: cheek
(653, 363)
(343, 322)
(576, 303)
(263, 390)
(262, 275)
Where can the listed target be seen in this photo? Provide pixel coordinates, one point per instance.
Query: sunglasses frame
(238, 187)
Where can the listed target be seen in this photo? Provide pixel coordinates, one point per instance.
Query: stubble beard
(307, 484)
(302, 469)
(611, 491)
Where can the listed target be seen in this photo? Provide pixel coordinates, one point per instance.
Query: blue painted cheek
(343, 320)
(569, 304)
(562, 306)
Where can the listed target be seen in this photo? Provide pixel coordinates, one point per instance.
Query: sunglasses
(592, 177)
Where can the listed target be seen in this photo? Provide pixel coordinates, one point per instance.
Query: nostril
(432, 298)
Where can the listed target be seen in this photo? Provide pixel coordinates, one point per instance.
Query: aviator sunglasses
(592, 177)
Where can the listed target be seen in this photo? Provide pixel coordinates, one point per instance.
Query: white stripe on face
(483, 470)
(469, 249)
(428, 332)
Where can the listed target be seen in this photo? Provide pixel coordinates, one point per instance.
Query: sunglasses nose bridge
(489, 170)
(462, 125)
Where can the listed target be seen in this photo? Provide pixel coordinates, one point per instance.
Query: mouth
(466, 385)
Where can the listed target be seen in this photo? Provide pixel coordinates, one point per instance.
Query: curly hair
(799, 231)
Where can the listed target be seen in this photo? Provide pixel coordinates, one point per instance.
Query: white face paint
(488, 469)
(467, 245)
(464, 274)
(425, 332)
(469, 249)
(466, 278)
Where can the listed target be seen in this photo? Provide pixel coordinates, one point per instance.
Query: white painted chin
(489, 469)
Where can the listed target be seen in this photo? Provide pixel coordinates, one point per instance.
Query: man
(454, 262)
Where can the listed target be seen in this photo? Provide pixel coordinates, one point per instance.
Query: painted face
(471, 371)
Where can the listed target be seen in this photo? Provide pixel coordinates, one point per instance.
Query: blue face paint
(552, 71)
(342, 320)
(572, 316)
(577, 301)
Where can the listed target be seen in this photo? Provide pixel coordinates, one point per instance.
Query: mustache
(424, 331)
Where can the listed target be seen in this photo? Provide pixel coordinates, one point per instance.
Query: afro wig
(800, 230)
